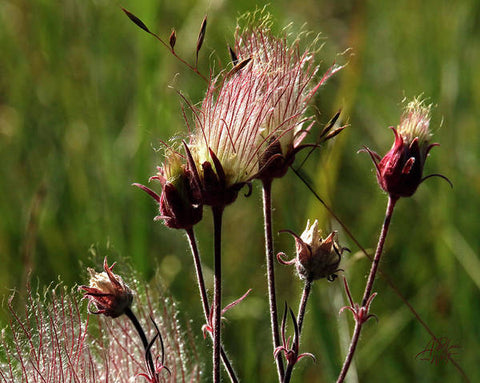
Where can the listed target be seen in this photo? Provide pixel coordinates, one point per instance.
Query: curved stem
(301, 315)
(217, 296)
(129, 313)
(267, 214)
(204, 298)
(369, 286)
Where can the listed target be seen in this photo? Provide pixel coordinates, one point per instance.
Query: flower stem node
(290, 347)
(400, 171)
(107, 292)
(360, 313)
(208, 327)
(316, 257)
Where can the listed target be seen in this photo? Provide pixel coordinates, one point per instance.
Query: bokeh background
(86, 97)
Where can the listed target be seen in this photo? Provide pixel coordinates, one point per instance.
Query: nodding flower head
(400, 171)
(107, 292)
(223, 150)
(289, 77)
(316, 257)
(180, 201)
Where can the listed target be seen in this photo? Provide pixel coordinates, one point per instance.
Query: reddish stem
(204, 298)
(369, 286)
(217, 296)
(301, 315)
(267, 213)
(303, 305)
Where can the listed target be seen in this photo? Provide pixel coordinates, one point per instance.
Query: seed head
(289, 81)
(223, 151)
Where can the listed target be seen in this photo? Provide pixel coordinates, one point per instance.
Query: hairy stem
(303, 305)
(267, 214)
(351, 351)
(369, 286)
(204, 298)
(217, 296)
(301, 315)
(129, 313)
(378, 253)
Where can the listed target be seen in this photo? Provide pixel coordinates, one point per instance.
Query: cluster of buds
(400, 171)
(249, 125)
(316, 257)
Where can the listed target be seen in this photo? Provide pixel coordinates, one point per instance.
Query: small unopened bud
(201, 37)
(201, 34)
(173, 39)
(179, 203)
(107, 292)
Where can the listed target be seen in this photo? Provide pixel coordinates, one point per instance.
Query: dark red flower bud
(400, 171)
(179, 203)
(177, 211)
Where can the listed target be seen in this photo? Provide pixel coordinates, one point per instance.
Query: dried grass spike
(136, 20)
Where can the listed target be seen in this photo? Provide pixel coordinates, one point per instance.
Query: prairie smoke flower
(289, 82)
(316, 257)
(179, 202)
(223, 150)
(400, 171)
(108, 292)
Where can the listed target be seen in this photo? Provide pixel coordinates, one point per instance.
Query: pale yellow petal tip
(415, 121)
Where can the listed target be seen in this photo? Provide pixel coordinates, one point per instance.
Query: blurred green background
(85, 98)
